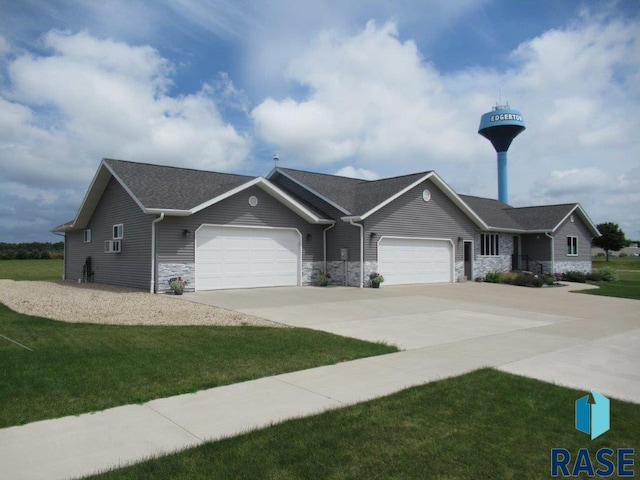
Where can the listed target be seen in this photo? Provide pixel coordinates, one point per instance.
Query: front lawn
(76, 368)
(627, 287)
(483, 425)
(31, 269)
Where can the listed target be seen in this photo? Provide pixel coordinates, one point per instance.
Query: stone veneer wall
(310, 271)
(170, 270)
(460, 271)
(567, 266)
(500, 263)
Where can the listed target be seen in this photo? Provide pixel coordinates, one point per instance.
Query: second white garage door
(415, 260)
(246, 257)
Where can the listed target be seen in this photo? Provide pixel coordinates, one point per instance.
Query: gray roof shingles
(158, 186)
(174, 188)
(354, 195)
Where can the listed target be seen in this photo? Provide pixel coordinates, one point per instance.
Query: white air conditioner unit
(112, 246)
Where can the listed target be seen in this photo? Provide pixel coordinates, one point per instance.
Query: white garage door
(415, 260)
(246, 257)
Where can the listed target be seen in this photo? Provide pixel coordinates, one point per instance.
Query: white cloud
(372, 98)
(353, 172)
(4, 46)
(95, 98)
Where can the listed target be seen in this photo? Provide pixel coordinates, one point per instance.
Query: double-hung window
(572, 246)
(118, 231)
(489, 244)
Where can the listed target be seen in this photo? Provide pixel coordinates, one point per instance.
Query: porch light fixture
(186, 233)
(460, 239)
(309, 237)
(372, 234)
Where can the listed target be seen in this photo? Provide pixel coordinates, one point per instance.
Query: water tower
(501, 126)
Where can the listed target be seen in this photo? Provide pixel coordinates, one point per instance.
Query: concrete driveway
(581, 341)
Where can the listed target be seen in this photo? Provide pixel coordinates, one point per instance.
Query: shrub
(323, 279)
(558, 276)
(493, 277)
(177, 287)
(600, 254)
(509, 278)
(548, 280)
(622, 254)
(604, 274)
(574, 276)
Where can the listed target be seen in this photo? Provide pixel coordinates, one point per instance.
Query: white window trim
(496, 249)
(87, 235)
(118, 229)
(576, 246)
(112, 246)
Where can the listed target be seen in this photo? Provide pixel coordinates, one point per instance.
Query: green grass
(624, 263)
(76, 368)
(483, 425)
(627, 287)
(31, 269)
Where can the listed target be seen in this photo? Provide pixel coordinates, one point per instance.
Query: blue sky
(361, 88)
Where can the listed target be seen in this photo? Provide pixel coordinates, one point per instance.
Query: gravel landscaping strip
(107, 304)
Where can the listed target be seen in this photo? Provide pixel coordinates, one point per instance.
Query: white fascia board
(225, 195)
(169, 212)
(290, 202)
(126, 188)
(99, 181)
(585, 218)
(448, 191)
(272, 190)
(309, 189)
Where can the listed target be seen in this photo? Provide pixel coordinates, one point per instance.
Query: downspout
(64, 254)
(152, 288)
(324, 244)
(553, 254)
(361, 227)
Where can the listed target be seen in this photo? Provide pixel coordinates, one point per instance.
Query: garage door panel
(244, 257)
(411, 260)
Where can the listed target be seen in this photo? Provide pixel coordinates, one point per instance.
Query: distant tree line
(33, 250)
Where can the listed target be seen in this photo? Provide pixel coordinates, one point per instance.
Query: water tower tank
(501, 126)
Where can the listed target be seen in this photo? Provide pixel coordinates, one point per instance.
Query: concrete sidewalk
(554, 336)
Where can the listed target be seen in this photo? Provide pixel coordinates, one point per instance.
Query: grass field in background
(77, 368)
(483, 425)
(31, 269)
(619, 263)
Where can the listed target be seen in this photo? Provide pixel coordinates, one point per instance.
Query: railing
(525, 262)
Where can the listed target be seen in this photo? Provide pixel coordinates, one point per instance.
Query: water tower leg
(503, 193)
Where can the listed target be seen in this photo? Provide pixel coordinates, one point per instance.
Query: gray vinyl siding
(132, 267)
(577, 228)
(342, 235)
(537, 246)
(410, 216)
(174, 247)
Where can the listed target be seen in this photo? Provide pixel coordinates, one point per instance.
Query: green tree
(612, 238)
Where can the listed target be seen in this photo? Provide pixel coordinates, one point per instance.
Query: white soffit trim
(308, 189)
(124, 185)
(585, 218)
(272, 190)
(92, 196)
(453, 196)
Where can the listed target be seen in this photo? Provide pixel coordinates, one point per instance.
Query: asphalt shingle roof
(500, 215)
(354, 195)
(174, 188)
(544, 217)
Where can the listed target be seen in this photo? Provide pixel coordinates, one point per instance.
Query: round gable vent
(253, 200)
(426, 195)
